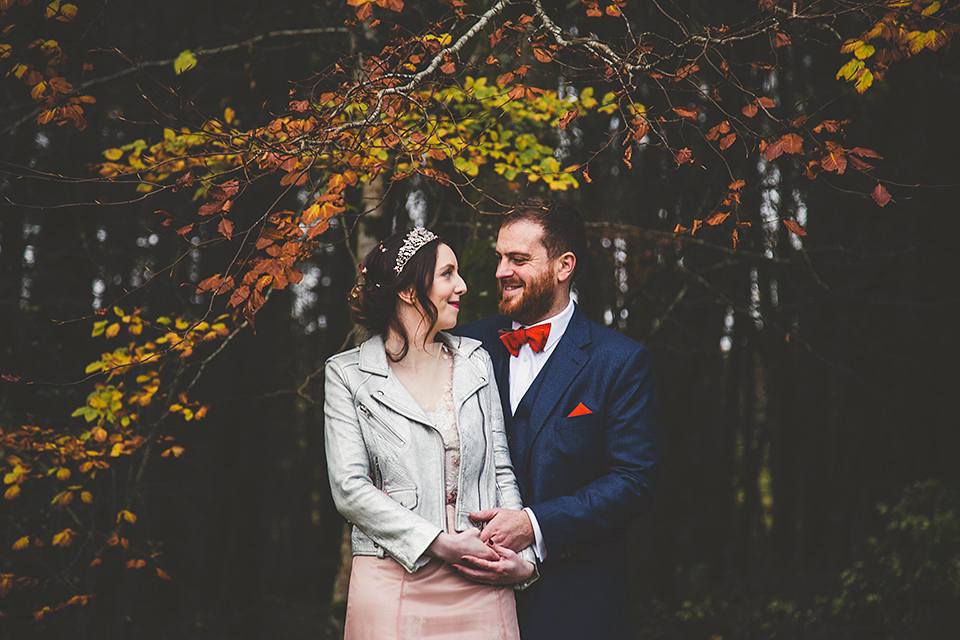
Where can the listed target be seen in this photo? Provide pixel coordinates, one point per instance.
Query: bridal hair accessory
(412, 243)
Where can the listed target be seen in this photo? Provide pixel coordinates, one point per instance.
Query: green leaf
(184, 62)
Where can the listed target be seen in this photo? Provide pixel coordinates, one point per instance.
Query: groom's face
(526, 276)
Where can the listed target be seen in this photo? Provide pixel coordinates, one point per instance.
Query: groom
(579, 407)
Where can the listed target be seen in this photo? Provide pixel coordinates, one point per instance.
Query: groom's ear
(567, 264)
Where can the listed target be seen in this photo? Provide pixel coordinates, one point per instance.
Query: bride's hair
(373, 301)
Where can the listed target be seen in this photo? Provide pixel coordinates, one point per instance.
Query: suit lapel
(501, 363)
(564, 365)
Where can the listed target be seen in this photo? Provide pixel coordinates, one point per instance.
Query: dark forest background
(807, 386)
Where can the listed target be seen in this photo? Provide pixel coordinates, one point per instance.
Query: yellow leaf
(864, 52)
(87, 497)
(126, 515)
(12, 492)
(112, 330)
(116, 450)
(112, 155)
(228, 115)
(851, 45)
(67, 13)
(52, 9)
(848, 70)
(932, 9)
(64, 538)
(184, 62)
(22, 543)
(63, 474)
(864, 81)
(63, 498)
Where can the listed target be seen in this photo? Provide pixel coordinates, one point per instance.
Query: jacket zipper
(398, 440)
(377, 474)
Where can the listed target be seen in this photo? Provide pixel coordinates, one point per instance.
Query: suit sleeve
(508, 493)
(625, 486)
(402, 533)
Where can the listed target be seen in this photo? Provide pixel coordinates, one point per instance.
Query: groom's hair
(563, 228)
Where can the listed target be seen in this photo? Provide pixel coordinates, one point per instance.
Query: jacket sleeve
(508, 493)
(400, 532)
(625, 487)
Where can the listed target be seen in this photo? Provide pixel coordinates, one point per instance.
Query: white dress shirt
(524, 369)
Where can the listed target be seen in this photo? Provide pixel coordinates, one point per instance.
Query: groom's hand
(505, 527)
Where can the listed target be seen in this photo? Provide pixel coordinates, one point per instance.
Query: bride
(415, 442)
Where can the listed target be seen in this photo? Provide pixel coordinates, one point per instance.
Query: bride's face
(447, 288)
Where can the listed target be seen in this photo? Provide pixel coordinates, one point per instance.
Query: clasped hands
(489, 556)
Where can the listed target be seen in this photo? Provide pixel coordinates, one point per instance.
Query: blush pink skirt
(385, 602)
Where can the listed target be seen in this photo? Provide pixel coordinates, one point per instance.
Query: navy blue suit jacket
(585, 477)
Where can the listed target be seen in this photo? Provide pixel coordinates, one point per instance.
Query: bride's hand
(508, 568)
(453, 548)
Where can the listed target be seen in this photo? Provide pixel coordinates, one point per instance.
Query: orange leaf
(728, 140)
(542, 55)
(448, 67)
(717, 217)
(567, 118)
(22, 543)
(126, 515)
(781, 40)
(736, 186)
(834, 160)
(718, 130)
(750, 110)
(794, 226)
(683, 156)
(881, 195)
(226, 228)
(766, 102)
(586, 174)
(685, 113)
(517, 92)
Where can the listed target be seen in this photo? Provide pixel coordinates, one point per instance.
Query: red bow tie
(536, 337)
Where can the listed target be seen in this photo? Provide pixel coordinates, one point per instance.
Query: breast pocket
(582, 421)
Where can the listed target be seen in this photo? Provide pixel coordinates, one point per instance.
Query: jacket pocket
(388, 432)
(406, 497)
(573, 423)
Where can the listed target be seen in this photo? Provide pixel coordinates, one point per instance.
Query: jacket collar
(373, 356)
(388, 390)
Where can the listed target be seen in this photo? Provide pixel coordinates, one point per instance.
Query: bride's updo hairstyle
(406, 261)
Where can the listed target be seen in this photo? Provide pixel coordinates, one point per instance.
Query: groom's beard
(533, 303)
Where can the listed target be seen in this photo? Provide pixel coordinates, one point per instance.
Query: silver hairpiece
(412, 243)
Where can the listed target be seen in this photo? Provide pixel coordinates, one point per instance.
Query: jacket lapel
(386, 388)
(559, 372)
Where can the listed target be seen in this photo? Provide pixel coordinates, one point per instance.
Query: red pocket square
(581, 410)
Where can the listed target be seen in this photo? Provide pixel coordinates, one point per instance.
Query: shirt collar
(558, 325)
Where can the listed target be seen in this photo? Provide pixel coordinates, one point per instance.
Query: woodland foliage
(473, 103)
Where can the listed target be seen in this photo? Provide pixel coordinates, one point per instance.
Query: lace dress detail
(445, 420)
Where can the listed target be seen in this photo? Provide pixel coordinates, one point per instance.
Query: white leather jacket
(386, 461)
